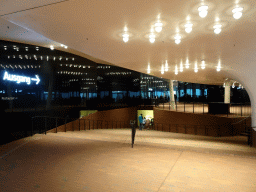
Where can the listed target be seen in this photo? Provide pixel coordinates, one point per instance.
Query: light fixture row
(177, 69)
(119, 73)
(75, 65)
(64, 46)
(17, 48)
(71, 73)
(233, 85)
(38, 57)
(203, 11)
(103, 67)
(20, 66)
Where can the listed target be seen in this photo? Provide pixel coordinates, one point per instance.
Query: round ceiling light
(177, 39)
(125, 37)
(203, 64)
(158, 26)
(176, 70)
(152, 38)
(188, 27)
(203, 11)
(217, 29)
(166, 66)
(237, 12)
(187, 64)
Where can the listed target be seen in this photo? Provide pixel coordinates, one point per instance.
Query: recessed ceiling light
(158, 26)
(188, 27)
(203, 10)
(217, 28)
(237, 12)
(125, 37)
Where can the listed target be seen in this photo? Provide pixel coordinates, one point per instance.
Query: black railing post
(32, 126)
(56, 124)
(45, 127)
(169, 105)
(79, 124)
(176, 105)
(65, 124)
(241, 110)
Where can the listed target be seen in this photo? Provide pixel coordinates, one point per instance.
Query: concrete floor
(103, 160)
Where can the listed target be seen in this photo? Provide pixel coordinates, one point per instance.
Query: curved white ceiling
(93, 29)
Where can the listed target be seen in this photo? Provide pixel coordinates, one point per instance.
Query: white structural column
(227, 92)
(172, 99)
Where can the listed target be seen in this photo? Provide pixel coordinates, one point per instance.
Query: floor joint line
(169, 171)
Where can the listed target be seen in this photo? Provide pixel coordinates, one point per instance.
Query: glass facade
(34, 76)
(67, 79)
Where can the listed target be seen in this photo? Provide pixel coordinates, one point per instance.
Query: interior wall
(198, 124)
(169, 121)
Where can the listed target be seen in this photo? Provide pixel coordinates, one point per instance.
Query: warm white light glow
(217, 29)
(152, 38)
(203, 64)
(237, 12)
(51, 47)
(187, 64)
(125, 37)
(176, 70)
(158, 26)
(162, 69)
(188, 27)
(181, 67)
(177, 39)
(166, 66)
(148, 69)
(196, 68)
(218, 67)
(203, 11)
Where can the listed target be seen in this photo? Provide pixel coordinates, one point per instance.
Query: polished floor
(103, 160)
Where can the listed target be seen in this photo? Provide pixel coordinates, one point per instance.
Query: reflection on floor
(103, 160)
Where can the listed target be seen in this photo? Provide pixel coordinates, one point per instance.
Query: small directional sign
(20, 79)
